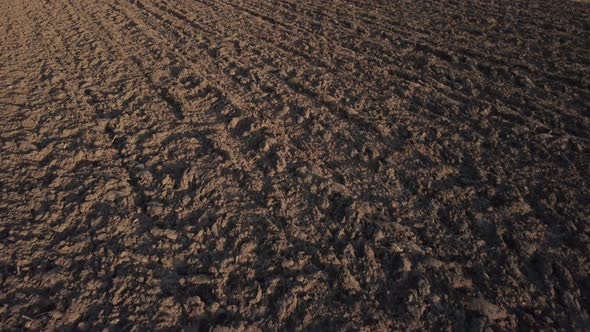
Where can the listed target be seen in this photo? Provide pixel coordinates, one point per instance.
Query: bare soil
(294, 165)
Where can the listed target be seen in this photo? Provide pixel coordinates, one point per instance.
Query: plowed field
(294, 165)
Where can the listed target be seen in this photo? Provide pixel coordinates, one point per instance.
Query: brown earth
(316, 165)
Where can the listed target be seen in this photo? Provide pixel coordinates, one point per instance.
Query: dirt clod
(485, 308)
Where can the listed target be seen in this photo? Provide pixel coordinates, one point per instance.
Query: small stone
(265, 146)
(485, 308)
(83, 326)
(214, 307)
(234, 122)
(200, 279)
(396, 249)
(350, 112)
(170, 234)
(307, 113)
(432, 262)
(468, 84)
(258, 296)
(527, 82)
(406, 264)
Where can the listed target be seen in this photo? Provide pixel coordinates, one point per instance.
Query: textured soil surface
(316, 165)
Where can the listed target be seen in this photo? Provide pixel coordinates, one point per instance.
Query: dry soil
(282, 165)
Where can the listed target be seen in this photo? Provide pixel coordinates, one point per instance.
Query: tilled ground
(317, 165)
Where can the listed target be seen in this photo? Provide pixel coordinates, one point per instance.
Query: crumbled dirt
(316, 165)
